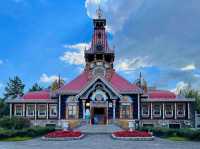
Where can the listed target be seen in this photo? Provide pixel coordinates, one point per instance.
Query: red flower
(63, 134)
(132, 134)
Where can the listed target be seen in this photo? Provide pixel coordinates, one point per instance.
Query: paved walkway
(99, 129)
(100, 142)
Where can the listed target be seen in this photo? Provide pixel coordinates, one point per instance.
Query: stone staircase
(98, 129)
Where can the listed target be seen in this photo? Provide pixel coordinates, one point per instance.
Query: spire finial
(99, 11)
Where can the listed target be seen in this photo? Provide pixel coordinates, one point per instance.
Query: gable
(98, 83)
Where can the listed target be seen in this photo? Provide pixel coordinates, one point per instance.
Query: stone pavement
(98, 129)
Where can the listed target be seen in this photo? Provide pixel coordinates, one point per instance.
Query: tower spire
(99, 12)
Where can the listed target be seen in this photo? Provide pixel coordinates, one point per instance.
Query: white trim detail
(20, 110)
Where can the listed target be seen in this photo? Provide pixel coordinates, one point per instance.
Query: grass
(177, 138)
(17, 139)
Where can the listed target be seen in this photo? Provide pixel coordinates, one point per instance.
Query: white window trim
(172, 113)
(27, 108)
(74, 114)
(180, 115)
(160, 113)
(50, 114)
(15, 112)
(38, 110)
(143, 114)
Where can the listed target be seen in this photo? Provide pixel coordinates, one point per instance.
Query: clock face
(99, 71)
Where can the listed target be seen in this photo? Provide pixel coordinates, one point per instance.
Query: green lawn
(177, 138)
(17, 139)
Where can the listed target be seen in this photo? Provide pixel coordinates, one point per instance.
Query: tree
(192, 93)
(35, 87)
(14, 88)
(57, 84)
(4, 108)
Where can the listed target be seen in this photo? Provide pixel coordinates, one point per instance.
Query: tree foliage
(57, 84)
(14, 88)
(192, 93)
(35, 87)
(4, 108)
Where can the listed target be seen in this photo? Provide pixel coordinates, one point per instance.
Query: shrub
(27, 132)
(14, 123)
(167, 132)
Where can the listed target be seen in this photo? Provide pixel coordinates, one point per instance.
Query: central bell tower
(99, 56)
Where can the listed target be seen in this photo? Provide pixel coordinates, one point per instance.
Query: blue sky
(40, 39)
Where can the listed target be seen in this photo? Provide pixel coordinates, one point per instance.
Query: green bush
(191, 134)
(14, 123)
(27, 132)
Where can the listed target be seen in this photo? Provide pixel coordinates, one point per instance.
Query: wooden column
(83, 109)
(35, 111)
(59, 107)
(47, 111)
(163, 109)
(23, 111)
(188, 107)
(151, 110)
(138, 106)
(175, 117)
(10, 110)
(114, 109)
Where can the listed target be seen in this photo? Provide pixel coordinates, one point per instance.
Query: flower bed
(63, 135)
(132, 135)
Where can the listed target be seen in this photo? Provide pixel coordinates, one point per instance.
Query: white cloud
(48, 79)
(76, 56)
(117, 11)
(128, 65)
(188, 67)
(1, 62)
(180, 86)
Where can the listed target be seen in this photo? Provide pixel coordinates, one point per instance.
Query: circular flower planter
(63, 135)
(133, 135)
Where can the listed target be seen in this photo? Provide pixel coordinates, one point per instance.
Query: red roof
(77, 84)
(161, 94)
(122, 84)
(116, 81)
(37, 95)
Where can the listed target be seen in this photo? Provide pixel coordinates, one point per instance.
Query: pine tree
(35, 87)
(14, 88)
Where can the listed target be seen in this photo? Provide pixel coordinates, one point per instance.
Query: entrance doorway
(98, 115)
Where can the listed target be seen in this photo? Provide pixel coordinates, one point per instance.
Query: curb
(133, 138)
(64, 138)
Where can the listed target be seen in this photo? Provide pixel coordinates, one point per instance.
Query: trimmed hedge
(27, 132)
(15, 123)
(191, 134)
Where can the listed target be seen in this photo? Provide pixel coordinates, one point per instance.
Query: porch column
(10, 110)
(188, 106)
(175, 111)
(163, 111)
(23, 110)
(138, 106)
(83, 109)
(59, 107)
(47, 111)
(114, 109)
(35, 111)
(151, 110)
